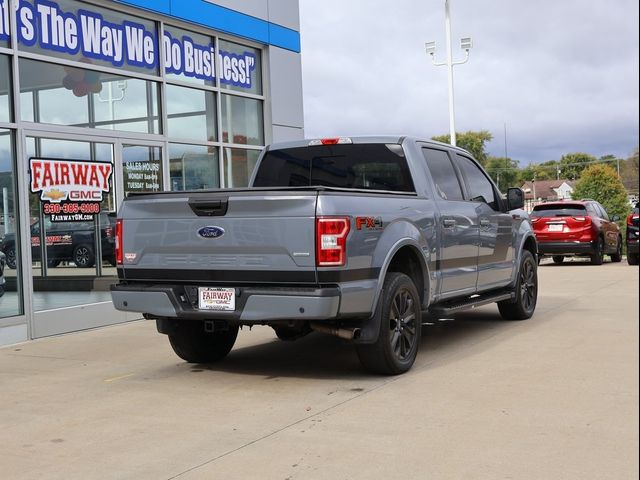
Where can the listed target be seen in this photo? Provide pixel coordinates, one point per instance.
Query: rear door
(225, 237)
(457, 226)
(610, 229)
(496, 251)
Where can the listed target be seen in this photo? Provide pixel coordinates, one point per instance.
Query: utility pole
(466, 45)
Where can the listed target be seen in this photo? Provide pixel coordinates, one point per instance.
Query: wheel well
(407, 261)
(530, 244)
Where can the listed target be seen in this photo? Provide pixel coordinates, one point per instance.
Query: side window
(591, 208)
(604, 214)
(443, 174)
(480, 188)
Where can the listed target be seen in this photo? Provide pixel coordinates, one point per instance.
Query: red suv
(582, 227)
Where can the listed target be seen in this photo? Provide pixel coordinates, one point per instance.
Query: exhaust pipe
(346, 333)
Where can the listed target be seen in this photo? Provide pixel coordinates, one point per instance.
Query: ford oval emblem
(211, 232)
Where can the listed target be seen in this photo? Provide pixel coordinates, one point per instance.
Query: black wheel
(398, 341)
(192, 344)
(558, 259)
(617, 257)
(83, 256)
(10, 253)
(598, 257)
(632, 259)
(526, 291)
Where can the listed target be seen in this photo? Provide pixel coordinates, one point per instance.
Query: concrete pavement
(551, 397)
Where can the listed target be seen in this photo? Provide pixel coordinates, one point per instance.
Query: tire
(10, 253)
(617, 257)
(598, 257)
(83, 256)
(632, 258)
(558, 259)
(395, 350)
(526, 291)
(192, 344)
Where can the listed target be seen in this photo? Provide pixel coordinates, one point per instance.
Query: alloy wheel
(402, 323)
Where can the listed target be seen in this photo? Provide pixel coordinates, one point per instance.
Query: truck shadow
(323, 356)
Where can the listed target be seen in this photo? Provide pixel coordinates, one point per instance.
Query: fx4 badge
(369, 223)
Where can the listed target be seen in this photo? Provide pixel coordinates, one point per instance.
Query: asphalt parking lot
(553, 397)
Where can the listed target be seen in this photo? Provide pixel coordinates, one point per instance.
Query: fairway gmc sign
(70, 190)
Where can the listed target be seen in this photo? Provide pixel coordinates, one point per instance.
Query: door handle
(448, 223)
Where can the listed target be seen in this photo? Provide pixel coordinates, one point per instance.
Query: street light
(465, 44)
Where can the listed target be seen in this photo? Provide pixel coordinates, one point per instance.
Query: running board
(448, 308)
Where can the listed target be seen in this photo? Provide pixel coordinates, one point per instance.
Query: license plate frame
(217, 299)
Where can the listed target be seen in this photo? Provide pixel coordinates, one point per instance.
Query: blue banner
(44, 24)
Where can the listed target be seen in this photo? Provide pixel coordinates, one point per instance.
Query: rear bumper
(253, 304)
(566, 248)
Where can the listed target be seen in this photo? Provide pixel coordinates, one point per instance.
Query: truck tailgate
(226, 237)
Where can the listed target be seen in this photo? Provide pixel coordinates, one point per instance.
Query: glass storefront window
(6, 113)
(242, 120)
(141, 168)
(93, 35)
(64, 95)
(239, 67)
(239, 165)
(193, 167)
(191, 114)
(189, 56)
(10, 274)
(67, 247)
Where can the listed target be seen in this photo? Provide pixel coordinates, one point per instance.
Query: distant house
(536, 192)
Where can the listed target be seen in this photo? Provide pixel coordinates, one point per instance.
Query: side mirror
(515, 198)
(616, 218)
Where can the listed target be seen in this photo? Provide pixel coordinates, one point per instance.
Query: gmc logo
(85, 195)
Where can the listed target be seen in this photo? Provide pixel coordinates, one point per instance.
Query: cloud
(562, 76)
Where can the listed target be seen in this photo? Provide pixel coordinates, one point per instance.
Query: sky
(560, 76)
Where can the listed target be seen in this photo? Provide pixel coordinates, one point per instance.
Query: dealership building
(99, 99)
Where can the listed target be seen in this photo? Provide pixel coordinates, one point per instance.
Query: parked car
(576, 228)
(632, 236)
(3, 262)
(67, 241)
(352, 237)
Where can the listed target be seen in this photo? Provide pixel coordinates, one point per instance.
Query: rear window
(559, 211)
(374, 166)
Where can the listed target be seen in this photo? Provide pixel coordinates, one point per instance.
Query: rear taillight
(118, 246)
(579, 219)
(331, 241)
(630, 218)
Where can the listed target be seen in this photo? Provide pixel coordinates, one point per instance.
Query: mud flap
(370, 328)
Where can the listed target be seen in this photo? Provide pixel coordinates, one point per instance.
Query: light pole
(466, 45)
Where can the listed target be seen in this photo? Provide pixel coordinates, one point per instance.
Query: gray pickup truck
(362, 238)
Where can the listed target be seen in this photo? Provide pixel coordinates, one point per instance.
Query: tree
(473, 142)
(541, 171)
(629, 173)
(504, 172)
(601, 183)
(572, 164)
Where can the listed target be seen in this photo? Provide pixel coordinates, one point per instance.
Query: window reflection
(65, 95)
(10, 274)
(193, 167)
(239, 165)
(242, 120)
(191, 114)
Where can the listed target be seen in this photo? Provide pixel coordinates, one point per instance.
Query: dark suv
(67, 241)
(568, 228)
(632, 236)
